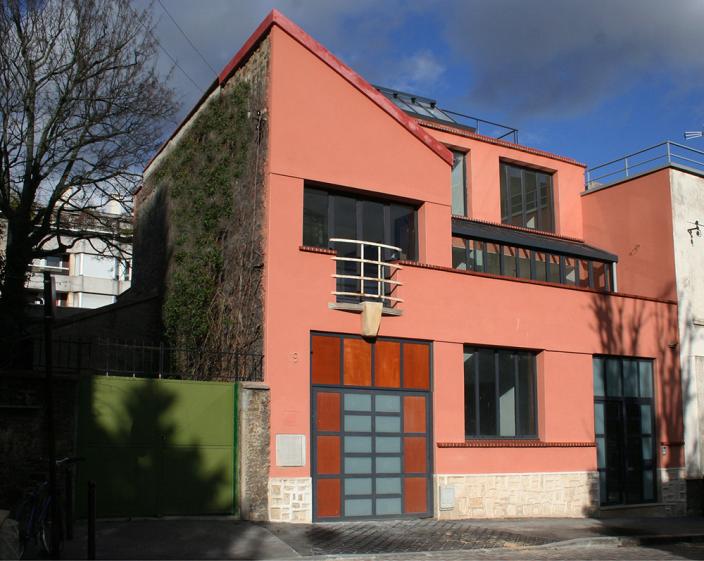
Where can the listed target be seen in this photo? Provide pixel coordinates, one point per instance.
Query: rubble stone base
(290, 499)
(513, 495)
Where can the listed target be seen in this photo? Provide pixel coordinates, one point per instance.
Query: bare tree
(81, 109)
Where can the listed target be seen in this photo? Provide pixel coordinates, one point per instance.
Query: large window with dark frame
(527, 198)
(526, 263)
(499, 393)
(624, 428)
(331, 214)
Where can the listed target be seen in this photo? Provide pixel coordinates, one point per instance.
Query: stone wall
(290, 499)
(253, 450)
(514, 495)
(673, 491)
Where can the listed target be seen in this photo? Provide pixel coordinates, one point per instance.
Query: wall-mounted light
(695, 229)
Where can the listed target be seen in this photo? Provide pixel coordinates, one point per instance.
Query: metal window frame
(623, 401)
(372, 390)
(506, 214)
(496, 351)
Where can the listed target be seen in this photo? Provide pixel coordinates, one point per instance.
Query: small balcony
(366, 272)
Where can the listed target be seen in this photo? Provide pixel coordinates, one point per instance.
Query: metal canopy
(499, 234)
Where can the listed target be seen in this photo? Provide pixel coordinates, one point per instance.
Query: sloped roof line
(275, 17)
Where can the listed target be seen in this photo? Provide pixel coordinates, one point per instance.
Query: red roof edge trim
(249, 45)
(499, 142)
(352, 77)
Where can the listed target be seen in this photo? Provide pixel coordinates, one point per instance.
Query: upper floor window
(459, 183)
(328, 214)
(527, 198)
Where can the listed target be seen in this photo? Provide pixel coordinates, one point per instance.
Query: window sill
(517, 443)
(313, 249)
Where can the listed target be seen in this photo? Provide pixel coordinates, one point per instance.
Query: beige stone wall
(290, 499)
(512, 495)
(673, 491)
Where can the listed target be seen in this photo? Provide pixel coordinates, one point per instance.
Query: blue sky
(592, 80)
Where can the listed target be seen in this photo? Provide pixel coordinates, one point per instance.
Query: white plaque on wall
(290, 450)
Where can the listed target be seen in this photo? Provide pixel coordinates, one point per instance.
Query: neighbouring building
(522, 335)
(88, 274)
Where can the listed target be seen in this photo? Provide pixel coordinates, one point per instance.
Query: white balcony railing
(364, 272)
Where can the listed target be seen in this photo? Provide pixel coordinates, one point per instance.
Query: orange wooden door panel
(414, 413)
(414, 454)
(415, 495)
(357, 362)
(328, 498)
(416, 366)
(327, 411)
(328, 455)
(325, 360)
(387, 364)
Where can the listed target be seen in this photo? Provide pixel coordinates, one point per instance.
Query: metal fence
(113, 357)
(665, 153)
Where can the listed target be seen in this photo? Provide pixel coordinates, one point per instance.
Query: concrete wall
(633, 220)
(687, 207)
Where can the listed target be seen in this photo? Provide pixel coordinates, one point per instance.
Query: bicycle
(34, 516)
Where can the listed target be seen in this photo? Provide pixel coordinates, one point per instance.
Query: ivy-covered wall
(198, 224)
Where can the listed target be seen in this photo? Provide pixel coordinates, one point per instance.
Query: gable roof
(277, 18)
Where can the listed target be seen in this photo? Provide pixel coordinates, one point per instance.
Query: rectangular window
(459, 183)
(522, 262)
(526, 198)
(328, 214)
(624, 429)
(499, 393)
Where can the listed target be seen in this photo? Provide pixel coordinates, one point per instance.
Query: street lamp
(689, 135)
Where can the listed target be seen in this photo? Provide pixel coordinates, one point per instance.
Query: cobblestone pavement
(397, 536)
(544, 553)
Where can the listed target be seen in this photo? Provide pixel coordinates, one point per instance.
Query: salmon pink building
(451, 325)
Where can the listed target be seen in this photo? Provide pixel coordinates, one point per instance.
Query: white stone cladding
(290, 499)
(687, 191)
(514, 495)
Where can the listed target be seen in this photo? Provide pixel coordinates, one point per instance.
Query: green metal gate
(157, 447)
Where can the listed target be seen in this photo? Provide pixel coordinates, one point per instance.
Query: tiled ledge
(514, 444)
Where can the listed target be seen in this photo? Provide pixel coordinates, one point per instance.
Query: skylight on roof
(418, 106)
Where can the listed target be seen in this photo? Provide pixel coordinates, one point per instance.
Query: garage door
(371, 428)
(157, 447)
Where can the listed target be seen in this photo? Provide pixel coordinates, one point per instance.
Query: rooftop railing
(364, 272)
(484, 127)
(665, 153)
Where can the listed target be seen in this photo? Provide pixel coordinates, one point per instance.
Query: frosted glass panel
(358, 402)
(358, 507)
(388, 424)
(358, 423)
(358, 465)
(388, 506)
(358, 444)
(389, 444)
(388, 485)
(388, 465)
(358, 486)
(388, 403)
